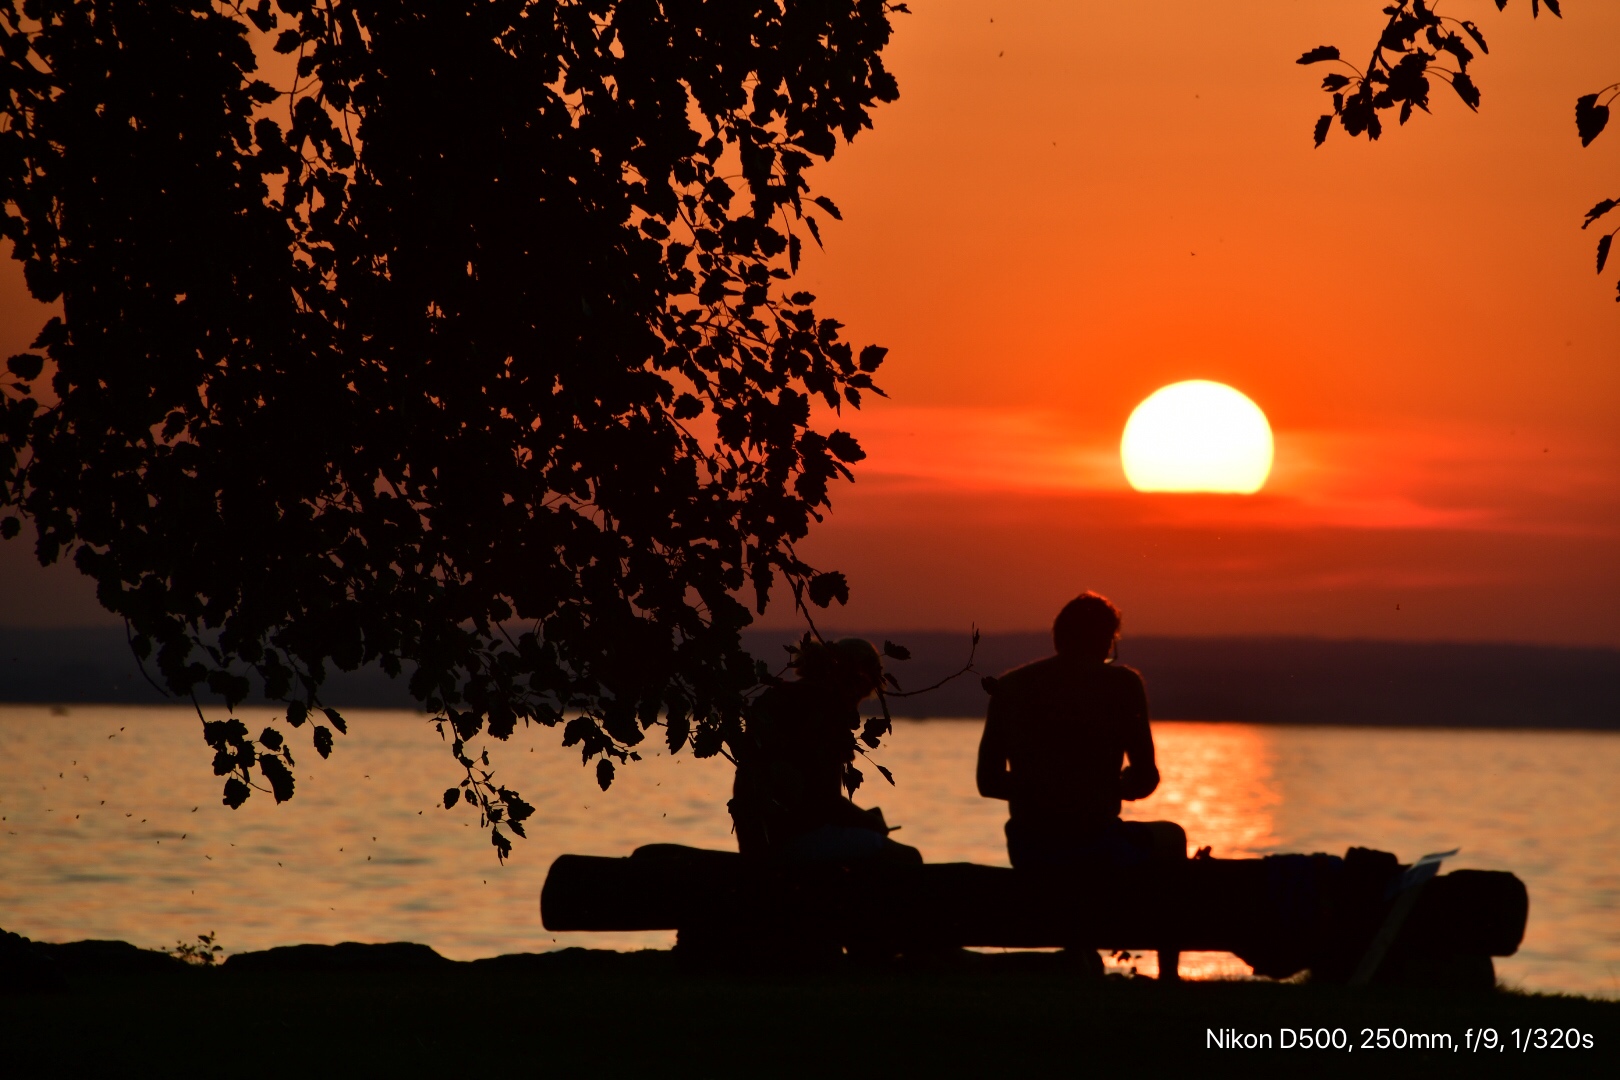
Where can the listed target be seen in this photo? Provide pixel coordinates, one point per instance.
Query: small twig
(967, 667)
(140, 663)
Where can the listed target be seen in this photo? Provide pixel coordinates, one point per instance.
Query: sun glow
(1197, 436)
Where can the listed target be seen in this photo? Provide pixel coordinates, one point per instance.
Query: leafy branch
(1591, 117)
(1417, 43)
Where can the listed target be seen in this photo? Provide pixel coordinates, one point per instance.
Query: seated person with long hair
(788, 800)
(1055, 737)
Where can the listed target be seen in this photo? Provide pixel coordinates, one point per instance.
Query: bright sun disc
(1197, 436)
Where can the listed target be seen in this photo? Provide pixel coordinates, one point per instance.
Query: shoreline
(606, 1013)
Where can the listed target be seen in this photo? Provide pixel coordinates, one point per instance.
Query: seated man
(788, 798)
(1055, 736)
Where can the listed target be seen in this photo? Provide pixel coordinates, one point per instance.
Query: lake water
(113, 827)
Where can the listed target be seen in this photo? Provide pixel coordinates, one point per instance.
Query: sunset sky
(1075, 203)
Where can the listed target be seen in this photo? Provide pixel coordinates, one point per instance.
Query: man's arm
(994, 780)
(1141, 775)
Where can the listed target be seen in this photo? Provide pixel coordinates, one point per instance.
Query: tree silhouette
(1418, 42)
(472, 352)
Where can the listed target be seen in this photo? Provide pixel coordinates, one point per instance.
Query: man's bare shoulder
(1054, 669)
(1122, 673)
(1028, 676)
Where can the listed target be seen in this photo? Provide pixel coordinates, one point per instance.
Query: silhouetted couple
(1056, 735)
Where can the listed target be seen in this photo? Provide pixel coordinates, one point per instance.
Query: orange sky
(1074, 203)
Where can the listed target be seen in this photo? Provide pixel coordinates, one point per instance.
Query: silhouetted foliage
(1591, 117)
(1418, 42)
(204, 952)
(471, 351)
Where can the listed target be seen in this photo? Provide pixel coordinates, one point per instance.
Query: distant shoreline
(65, 708)
(1257, 680)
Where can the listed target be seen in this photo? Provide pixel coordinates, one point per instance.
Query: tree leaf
(875, 728)
(1479, 38)
(297, 713)
(1323, 124)
(262, 17)
(825, 588)
(337, 720)
(281, 779)
(887, 775)
(827, 205)
(264, 94)
(236, 793)
(516, 809)
(323, 740)
(604, 774)
(1599, 210)
(26, 365)
(1590, 118)
(1603, 251)
(676, 731)
(1319, 54)
(844, 447)
(896, 652)
(451, 797)
(1453, 44)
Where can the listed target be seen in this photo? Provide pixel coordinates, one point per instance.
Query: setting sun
(1197, 436)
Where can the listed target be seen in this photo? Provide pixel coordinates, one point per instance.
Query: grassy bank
(610, 1014)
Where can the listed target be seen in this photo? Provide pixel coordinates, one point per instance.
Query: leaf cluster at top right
(1418, 44)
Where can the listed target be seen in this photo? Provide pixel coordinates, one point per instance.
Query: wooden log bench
(1361, 917)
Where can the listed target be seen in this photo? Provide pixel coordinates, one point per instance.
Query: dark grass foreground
(403, 1010)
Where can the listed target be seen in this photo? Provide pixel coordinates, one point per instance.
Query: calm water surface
(113, 827)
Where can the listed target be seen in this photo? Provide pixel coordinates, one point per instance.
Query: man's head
(1086, 627)
(850, 667)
